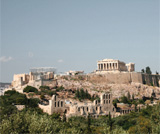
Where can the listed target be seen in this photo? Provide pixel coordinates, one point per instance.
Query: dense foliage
(29, 121)
(33, 120)
(81, 95)
(147, 71)
(30, 89)
(44, 87)
(12, 98)
(46, 92)
(130, 100)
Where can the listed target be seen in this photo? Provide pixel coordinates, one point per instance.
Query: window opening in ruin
(103, 96)
(109, 101)
(109, 96)
(96, 108)
(61, 103)
(55, 104)
(58, 103)
(87, 108)
(55, 98)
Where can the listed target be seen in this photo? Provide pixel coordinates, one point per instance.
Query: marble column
(101, 66)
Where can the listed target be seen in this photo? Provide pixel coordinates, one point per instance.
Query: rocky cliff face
(99, 83)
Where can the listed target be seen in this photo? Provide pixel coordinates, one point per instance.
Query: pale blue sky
(74, 34)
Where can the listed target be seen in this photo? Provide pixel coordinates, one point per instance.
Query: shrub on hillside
(59, 88)
(14, 97)
(33, 102)
(42, 97)
(30, 89)
(44, 87)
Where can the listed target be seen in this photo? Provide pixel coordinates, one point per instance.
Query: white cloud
(30, 54)
(60, 61)
(5, 59)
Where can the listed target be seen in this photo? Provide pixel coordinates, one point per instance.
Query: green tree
(114, 102)
(88, 124)
(135, 108)
(77, 94)
(82, 94)
(157, 73)
(110, 122)
(148, 70)
(56, 116)
(128, 96)
(125, 100)
(44, 87)
(143, 71)
(30, 89)
(132, 96)
(64, 117)
(42, 97)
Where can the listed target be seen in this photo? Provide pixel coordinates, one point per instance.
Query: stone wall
(125, 78)
(96, 108)
(38, 83)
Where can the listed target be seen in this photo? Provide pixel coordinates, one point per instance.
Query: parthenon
(114, 65)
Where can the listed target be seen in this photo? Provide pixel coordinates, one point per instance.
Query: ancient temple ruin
(110, 65)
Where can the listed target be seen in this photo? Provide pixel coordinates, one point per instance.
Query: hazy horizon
(74, 35)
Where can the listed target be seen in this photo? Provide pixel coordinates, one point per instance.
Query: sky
(75, 34)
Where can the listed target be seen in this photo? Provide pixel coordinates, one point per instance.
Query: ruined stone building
(118, 72)
(73, 108)
(107, 65)
(37, 77)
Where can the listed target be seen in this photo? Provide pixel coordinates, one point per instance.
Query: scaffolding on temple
(42, 70)
(43, 73)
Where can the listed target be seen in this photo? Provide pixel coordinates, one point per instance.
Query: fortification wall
(136, 77)
(111, 78)
(125, 78)
(51, 83)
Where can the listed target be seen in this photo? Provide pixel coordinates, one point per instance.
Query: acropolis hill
(113, 78)
(109, 72)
